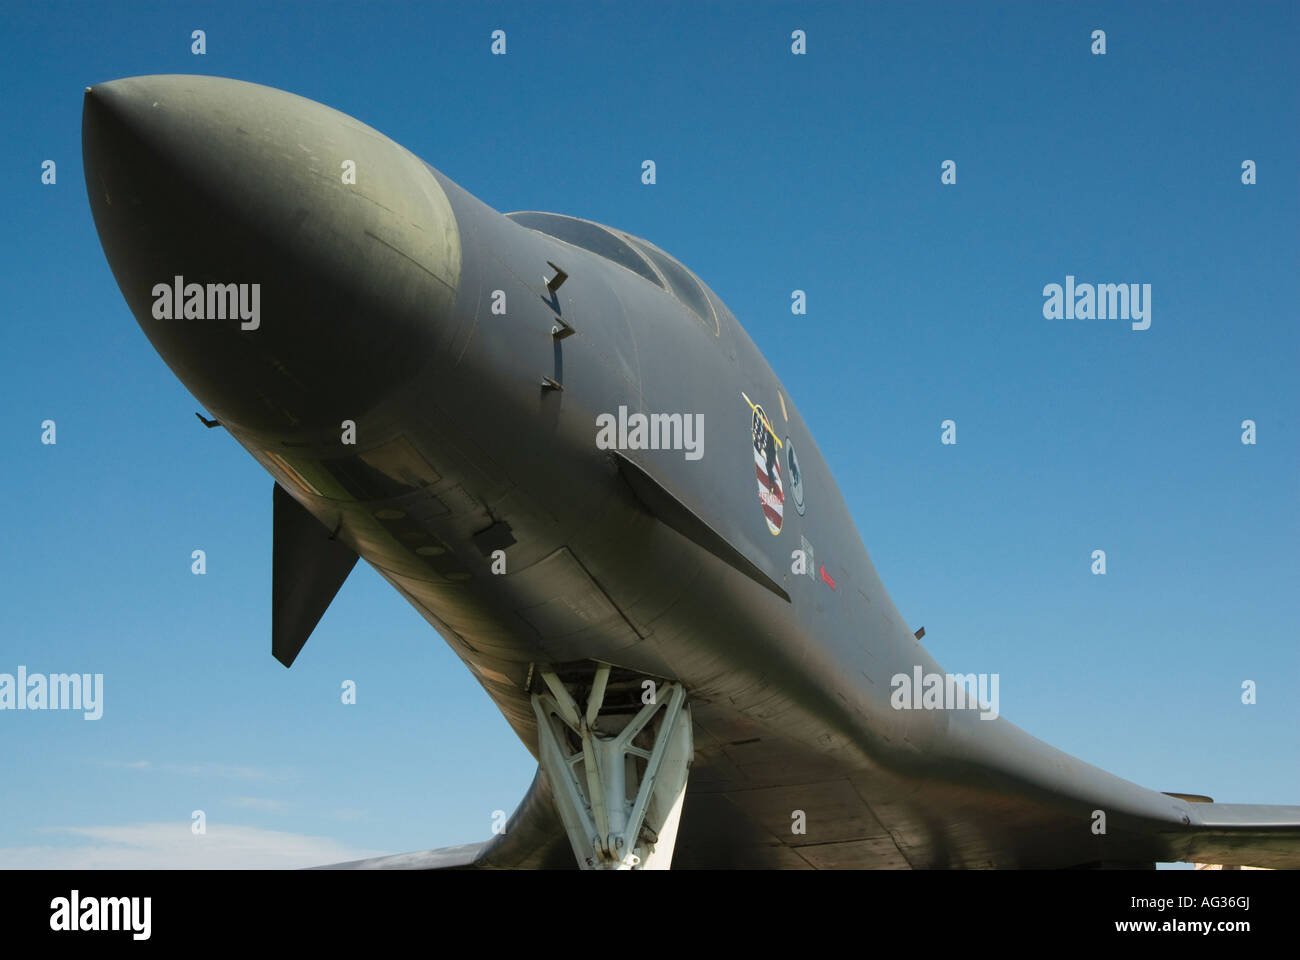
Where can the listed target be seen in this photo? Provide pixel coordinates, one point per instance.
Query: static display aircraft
(565, 452)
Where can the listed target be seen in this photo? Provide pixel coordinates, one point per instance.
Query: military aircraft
(560, 446)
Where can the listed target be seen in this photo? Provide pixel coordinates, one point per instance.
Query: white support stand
(615, 818)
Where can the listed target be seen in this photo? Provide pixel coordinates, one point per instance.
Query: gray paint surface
(376, 308)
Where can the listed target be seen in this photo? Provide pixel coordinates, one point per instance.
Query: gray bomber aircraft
(504, 416)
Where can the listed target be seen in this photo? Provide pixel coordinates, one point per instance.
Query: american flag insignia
(767, 465)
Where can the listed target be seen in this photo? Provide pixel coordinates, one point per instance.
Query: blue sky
(775, 172)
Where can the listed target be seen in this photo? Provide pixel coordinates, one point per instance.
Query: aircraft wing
(1244, 834)
(533, 838)
(724, 829)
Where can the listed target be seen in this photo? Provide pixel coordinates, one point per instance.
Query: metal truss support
(618, 775)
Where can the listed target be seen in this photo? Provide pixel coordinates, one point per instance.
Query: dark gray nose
(291, 265)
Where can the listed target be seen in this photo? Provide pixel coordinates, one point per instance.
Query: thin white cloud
(172, 846)
(223, 771)
(227, 771)
(265, 804)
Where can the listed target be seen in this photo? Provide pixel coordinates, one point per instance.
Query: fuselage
(406, 386)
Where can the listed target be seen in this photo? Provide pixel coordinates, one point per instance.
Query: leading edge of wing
(1239, 834)
(444, 858)
(533, 838)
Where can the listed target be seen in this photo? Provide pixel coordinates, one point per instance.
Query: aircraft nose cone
(291, 265)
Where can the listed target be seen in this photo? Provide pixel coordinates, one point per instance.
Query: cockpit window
(589, 236)
(682, 281)
(630, 252)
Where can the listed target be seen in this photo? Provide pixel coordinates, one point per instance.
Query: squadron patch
(767, 467)
(796, 478)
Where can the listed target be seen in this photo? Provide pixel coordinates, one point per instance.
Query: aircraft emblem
(767, 465)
